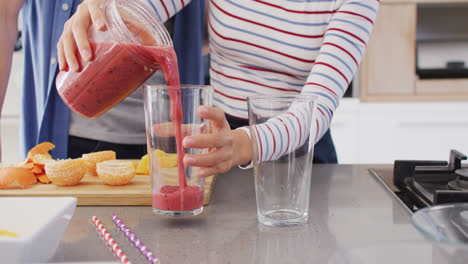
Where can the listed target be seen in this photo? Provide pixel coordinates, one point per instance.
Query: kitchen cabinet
(381, 132)
(388, 69)
(345, 131)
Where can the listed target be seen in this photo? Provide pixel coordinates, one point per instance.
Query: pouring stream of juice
(183, 197)
(167, 59)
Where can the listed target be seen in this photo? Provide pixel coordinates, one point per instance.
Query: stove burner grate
(461, 181)
(425, 183)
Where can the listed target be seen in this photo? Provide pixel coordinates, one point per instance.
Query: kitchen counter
(351, 216)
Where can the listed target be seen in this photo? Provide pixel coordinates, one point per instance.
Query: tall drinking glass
(176, 190)
(283, 162)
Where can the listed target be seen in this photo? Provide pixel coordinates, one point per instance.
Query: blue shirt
(44, 116)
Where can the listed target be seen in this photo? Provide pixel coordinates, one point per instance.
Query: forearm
(341, 52)
(8, 27)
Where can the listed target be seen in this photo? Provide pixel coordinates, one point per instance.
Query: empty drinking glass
(282, 132)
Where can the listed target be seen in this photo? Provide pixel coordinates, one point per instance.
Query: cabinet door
(377, 128)
(389, 65)
(422, 131)
(345, 131)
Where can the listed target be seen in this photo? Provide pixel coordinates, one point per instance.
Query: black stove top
(424, 183)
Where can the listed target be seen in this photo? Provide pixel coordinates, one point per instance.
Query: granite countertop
(352, 216)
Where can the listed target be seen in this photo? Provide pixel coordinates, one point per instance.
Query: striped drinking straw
(138, 244)
(110, 241)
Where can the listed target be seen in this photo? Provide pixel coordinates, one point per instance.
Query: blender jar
(120, 63)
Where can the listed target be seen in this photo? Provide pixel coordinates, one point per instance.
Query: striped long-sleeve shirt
(165, 9)
(286, 47)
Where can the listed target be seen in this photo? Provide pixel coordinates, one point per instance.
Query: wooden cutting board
(92, 191)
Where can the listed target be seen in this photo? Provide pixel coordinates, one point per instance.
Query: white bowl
(39, 223)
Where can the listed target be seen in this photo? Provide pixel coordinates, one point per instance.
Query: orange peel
(65, 172)
(115, 172)
(29, 165)
(91, 159)
(42, 178)
(36, 159)
(41, 159)
(37, 169)
(22, 176)
(42, 148)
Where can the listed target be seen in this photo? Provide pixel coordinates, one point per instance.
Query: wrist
(242, 148)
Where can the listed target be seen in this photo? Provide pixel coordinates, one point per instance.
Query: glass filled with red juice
(123, 58)
(176, 190)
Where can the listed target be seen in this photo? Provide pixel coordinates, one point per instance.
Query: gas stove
(422, 183)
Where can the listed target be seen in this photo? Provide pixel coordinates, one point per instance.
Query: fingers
(211, 159)
(206, 172)
(80, 31)
(68, 46)
(75, 34)
(168, 129)
(209, 164)
(61, 56)
(164, 129)
(97, 15)
(207, 141)
(215, 115)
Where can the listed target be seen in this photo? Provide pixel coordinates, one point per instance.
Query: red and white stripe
(110, 241)
(167, 8)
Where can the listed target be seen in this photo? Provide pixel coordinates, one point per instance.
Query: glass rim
(122, 34)
(121, 31)
(280, 97)
(174, 87)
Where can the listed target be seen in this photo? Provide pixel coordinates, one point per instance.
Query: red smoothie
(112, 75)
(173, 198)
